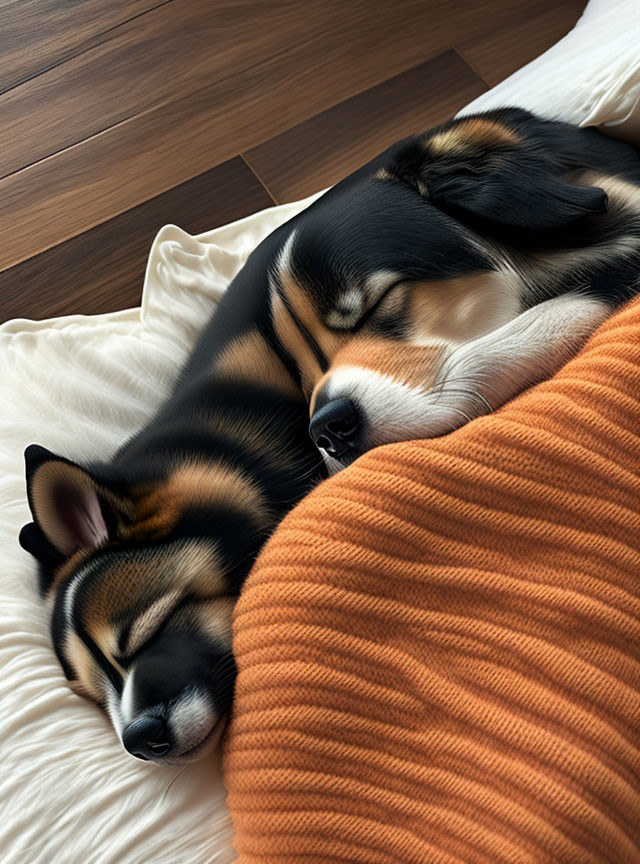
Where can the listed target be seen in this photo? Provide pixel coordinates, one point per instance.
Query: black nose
(146, 738)
(334, 427)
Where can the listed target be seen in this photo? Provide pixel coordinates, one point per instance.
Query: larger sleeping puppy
(434, 283)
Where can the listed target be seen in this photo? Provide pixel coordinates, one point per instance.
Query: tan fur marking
(250, 359)
(198, 569)
(84, 668)
(415, 365)
(219, 484)
(469, 135)
(295, 343)
(104, 636)
(78, 687)
(119, 589)
(66, 570)
(215, 618)
(160, 509)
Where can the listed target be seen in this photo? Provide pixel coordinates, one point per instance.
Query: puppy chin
(335, 465)
(208, 744)
(199, 751)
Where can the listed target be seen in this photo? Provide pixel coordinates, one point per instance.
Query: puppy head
(140, 606)
(390, 273)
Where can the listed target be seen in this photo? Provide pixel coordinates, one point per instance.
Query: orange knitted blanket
(439, 649)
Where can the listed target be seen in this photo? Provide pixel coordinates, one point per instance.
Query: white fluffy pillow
(590, 77)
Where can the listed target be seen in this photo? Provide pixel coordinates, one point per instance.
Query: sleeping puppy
(427, 288)
(453, 271)
(142, 557)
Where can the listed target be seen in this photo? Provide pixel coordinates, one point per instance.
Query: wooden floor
(120, 116)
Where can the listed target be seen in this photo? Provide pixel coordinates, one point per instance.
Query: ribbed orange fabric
(439, 649)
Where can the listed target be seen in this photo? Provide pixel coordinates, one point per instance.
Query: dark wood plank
(501, 51)
(305, 64)
(332, 52)
(326, 148)
(38, 34)
(103, 269)
(180, 47)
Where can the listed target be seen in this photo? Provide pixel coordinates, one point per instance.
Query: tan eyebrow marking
(146, 624)
(383, 174)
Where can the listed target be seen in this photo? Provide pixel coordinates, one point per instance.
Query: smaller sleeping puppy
(142, 556)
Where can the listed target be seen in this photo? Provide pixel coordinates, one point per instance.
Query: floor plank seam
(471, 65)
(260, 180)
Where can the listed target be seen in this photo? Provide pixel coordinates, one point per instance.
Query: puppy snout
(335, 428)
(146, 738)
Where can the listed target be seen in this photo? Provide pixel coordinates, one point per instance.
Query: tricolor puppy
(452, 272)
(142, 557)
(429, 287)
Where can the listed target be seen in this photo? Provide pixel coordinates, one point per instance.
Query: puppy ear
(71, 509)
(479, 168)
(34, 542)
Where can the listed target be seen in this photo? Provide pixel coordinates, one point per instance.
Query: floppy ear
(479, 168)
(71, 509)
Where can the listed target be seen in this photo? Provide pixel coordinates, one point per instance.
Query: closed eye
(371, 311)
(141, 629)
(365, 317)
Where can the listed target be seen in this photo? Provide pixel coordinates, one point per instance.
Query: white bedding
(590, 77)
(79, 385)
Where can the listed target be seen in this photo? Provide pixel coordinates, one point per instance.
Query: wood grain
(36, 35)
(313, 61)
(178, 47)
(107, 106)
(103, 269)
(321, 151)
(498, 53)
